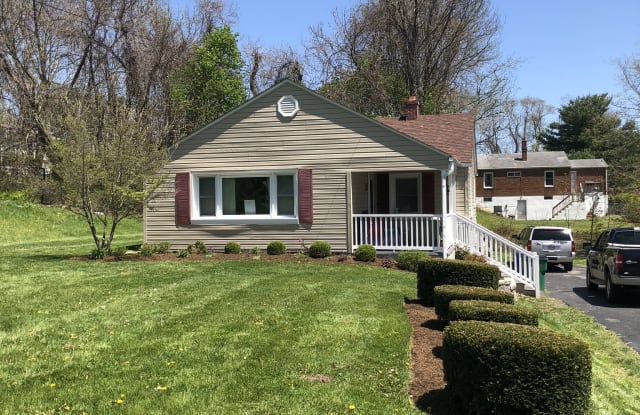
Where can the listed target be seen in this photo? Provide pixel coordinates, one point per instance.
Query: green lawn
(217, 336)
(192, 337)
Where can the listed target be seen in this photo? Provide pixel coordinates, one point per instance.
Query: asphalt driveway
(622, 318)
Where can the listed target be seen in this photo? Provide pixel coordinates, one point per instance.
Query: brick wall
(531, 182)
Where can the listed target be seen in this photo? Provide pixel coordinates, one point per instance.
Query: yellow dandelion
(72, 335)
(122, 396)
(170, 362)
(52, 385)
(259, 323)
(66, 408)
(161, 388)
(351, 407)
(119, 401)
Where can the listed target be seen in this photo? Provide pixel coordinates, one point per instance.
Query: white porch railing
(511, 259)
(399, 232)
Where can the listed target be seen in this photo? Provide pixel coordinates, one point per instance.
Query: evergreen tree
(577, 118)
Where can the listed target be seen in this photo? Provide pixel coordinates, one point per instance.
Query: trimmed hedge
(504, 368)
(365, 253)
(434, 272)
(232, 248)
(408, 260)
(482, 310)
(276, 248)
(320, 249)
(444, 294)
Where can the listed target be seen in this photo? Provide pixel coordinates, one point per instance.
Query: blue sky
(566, 48)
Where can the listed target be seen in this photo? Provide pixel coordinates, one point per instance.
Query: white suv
(553, 242)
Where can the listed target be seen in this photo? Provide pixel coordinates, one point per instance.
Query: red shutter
(305, 196)
(428, 193)
(183, 214)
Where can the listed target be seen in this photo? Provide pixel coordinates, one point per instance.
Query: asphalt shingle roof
(452, 134)
(535, 160)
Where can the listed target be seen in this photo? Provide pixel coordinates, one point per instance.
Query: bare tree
(436, 47)
(268, 66)
(630, 77)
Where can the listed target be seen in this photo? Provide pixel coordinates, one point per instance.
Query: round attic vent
(288, 106)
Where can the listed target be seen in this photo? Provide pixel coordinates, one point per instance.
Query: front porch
(396, 211)
(395, 232)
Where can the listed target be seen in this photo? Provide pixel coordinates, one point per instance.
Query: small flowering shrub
(183, 253)
(119, 251)
(276, 248)
(198, 247)
(365, 253)
(162, 247)
(147, 250)
(232, 248)
(320, 249)
(98, 253)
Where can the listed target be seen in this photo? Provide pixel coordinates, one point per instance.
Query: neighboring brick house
(541, 185)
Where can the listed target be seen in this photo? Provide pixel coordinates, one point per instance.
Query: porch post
(447, 207)
(349, 213)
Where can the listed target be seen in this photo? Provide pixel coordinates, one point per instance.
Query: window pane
(207, 191)
(245, 196)
(548, 178)
(488, 180)
(285, 196)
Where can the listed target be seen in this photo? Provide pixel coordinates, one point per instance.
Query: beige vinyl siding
(324, 137)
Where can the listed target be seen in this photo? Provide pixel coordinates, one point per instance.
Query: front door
(404, 195)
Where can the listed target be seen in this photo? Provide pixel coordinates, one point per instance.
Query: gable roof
(535, 160)
(450, 133)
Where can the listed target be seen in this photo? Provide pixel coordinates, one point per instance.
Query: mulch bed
(427, 386)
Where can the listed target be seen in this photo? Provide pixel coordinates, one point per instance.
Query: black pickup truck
(614, 261)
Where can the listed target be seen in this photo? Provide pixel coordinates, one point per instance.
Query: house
(294, 166)
(541, 185)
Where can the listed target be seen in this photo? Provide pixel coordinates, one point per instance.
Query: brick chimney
(411, 109)
(524, 150)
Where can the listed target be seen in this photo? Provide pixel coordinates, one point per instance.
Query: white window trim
(553, 176)
(484, 180)
(219, 218)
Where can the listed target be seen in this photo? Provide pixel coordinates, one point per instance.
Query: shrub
(276, 248)
(162, 247)
(119, 251)
(434, 272)
(365, 253)
(444, 294)
(505, 368)
(98, 253)
(232, 248)
(255, 250)
(198, 248)
(464, 254)
(183, 253)
(408, 260)
(320, 249)
(147, 249)
(388, 263)
(482, 310)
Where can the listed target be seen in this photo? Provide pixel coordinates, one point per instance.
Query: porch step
(524, 290)
(508, 284)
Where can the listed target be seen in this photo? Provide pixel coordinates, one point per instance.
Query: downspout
(446, 206)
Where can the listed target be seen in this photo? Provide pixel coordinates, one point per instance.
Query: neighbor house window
(249, 197)
(514, 174)
(549, 178)
(488, 180)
